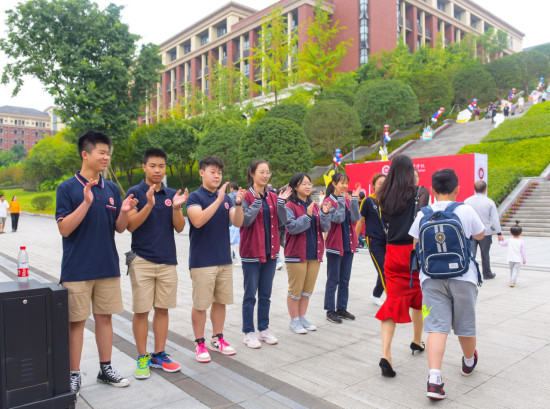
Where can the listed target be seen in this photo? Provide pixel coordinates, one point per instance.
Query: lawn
(26, 197)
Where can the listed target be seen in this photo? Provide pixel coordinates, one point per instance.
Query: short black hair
(234, 186)
(444, 181)
(516, 230)
(362, 195)
(154, 153)
(211, 161)
(88, 141)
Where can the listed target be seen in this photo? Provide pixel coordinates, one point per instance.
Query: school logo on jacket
(227, 205)
(112, 201)
(168, 202)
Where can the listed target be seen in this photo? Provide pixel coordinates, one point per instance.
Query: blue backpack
(443, 250)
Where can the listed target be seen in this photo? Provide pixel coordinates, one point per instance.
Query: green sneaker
(142, 370)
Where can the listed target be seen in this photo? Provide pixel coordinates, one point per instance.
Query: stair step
(532, 234)
(536, 229)
(528, 220)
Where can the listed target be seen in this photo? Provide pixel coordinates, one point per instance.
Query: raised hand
(221, 191)
(240, 196)
(357, 191)
(129, 203)
(286, 194)
(180, 198)
(151, 196)
(326, 206)
(310, 209)
(88, 194)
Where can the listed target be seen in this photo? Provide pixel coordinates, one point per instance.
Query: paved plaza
(335, 366)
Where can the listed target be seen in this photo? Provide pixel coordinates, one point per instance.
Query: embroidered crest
(112, 201)
(168, 202)
(227, 205)
(440, 237)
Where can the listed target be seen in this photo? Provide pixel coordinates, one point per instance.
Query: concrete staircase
(534, 212)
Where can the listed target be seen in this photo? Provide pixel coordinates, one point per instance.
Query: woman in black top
(399, 198)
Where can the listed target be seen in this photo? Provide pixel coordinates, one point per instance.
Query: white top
(516, 249)
(472, 226)
(521, 101)
(487, 212)
(4, 206)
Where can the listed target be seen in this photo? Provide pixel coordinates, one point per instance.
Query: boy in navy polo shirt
(209, 211)
(153, 268)
(89, 210)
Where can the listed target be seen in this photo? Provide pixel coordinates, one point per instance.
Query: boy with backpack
(449, 275)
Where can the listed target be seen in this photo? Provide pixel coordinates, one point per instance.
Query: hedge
(534, 126)
(538, 109)
(509, 161)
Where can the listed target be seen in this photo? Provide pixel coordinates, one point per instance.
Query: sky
(168, 17)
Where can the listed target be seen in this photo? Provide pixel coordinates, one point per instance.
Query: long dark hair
(252, 169)
(398, 187)
(337, 177)
(295, 181)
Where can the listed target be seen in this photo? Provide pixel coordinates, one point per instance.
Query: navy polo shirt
(311, 235)
(267, 222)
(89, 253)
(210, 245)
(154, 239)
(345, 232)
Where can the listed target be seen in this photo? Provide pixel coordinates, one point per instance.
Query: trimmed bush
(521, 128)
(539, 109)
(293, 112)
(41, 202)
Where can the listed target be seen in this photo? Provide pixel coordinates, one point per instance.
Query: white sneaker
(306, 324)
(238, 264)
(279, 265)
(267, 336)
(376, 300)
(251, 340)
(296, 326)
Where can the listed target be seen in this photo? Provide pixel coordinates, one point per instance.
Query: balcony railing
(199, 73)
(408, 24)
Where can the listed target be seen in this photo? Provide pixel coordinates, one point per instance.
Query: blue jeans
(258, 278)
(338, 276)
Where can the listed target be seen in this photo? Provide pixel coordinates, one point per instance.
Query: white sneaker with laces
(306, 324)
(377, 300)
(251, 340)
(296, 326)
(267, 336)
(279, 265)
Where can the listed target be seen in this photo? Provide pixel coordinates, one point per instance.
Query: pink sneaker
(221, 345)
(201, 353)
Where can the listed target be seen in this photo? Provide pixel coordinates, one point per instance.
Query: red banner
(469, 168)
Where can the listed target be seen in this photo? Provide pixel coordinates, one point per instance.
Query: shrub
(279, 141)
(539, 109)
(41, 202)
(521, 128)
(474, 82)
(293, 112)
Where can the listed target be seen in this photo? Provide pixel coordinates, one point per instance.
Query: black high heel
(387, 370)
(416, 347)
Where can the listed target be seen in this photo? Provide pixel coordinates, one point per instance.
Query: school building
(229, 34)
(23, 126)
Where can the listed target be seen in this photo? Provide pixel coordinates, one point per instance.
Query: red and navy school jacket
(252, 246)
(334, 243)
(297, 224)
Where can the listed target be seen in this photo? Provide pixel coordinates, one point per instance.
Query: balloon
(511, 95)
(337, 157)
(540, 86)
(328, 178)
(473, 105)
(436, 116)
(386, 134)
(383, 152)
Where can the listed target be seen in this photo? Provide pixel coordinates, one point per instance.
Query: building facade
(23, 126)
(229, 35)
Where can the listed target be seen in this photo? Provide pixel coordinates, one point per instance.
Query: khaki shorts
(104, 294)
(212, 284)
(153, 285)
(301, 278)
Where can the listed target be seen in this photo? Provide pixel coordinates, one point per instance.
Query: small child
(516, 252)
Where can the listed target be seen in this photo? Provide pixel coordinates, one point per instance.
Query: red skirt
(400, 296)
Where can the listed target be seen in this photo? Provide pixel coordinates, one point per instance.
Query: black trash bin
(34, 346)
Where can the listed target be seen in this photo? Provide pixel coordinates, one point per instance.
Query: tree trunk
(129, 173)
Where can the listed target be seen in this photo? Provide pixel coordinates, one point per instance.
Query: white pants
(514, 271)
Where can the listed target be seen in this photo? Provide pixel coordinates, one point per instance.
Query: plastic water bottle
(23, 265)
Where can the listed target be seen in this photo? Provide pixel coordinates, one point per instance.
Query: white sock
(469, 361)
(435, 376)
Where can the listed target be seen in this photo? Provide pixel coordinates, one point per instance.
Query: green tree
(19, 151)
(330, 125)
(380, 102)
(433, 90)
(506, 73)
(223, 141)
(86, 58)
(474, 82)
(279, 141)
(532, 65)
(293, 112)
(8, 158)
(320, 56)
(276, 47)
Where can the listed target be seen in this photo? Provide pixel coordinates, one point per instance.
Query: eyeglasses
(306, 184)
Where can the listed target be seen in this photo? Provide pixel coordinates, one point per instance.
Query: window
(187, 48)
(441, 6)
(204, 39)
(294, 20)
(511, 43)
(458, 14)
(173, 54)
(222, 30)
(246, 42)
(363, 31)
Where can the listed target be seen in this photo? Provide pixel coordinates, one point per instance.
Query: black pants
(14, 220)
(377, 250)
(485, 247)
